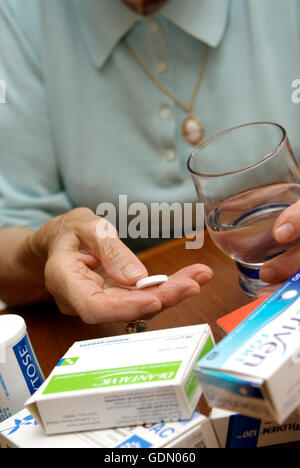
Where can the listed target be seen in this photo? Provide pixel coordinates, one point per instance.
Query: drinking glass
(246, 177)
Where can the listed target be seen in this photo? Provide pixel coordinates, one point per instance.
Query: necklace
(192, 128)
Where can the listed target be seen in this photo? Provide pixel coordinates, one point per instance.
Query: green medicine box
(123, 381)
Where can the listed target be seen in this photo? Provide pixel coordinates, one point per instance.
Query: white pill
(151, 281)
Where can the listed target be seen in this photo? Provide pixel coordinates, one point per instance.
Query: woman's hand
(90, 274)
(279, 269)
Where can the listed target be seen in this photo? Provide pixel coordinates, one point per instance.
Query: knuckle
(112, 251)
(75, 218)
(81, 212)
(105, 229)
(287, 270)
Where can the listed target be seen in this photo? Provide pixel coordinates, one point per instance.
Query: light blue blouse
(82, 123)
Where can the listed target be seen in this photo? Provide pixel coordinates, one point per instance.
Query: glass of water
(246, 176)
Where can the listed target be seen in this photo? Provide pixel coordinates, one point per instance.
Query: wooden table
(52, 334)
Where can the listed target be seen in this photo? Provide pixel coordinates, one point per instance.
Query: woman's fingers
(119, 262)
(81, 243)
(287, 226)
(286, 230)
(80, 291)
(81, 230)
(197, 272)
(182, 285)
(281, 268)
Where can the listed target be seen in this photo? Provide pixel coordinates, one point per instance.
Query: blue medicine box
(255, 371)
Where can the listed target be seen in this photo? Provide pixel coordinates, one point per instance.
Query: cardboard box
(237, 431)
(255, 371)
(230, 321)
(123, 380)
(22, 431)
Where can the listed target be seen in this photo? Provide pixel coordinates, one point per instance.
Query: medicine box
(22, 431)
(255, 371)
(121, 381)
(237, 431)
(230, 321)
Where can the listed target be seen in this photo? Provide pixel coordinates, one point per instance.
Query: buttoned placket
(148, 41)
(163, 71)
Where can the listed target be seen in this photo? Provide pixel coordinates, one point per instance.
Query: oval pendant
(192, 130)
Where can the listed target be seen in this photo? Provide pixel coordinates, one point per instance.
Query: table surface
(52, 333)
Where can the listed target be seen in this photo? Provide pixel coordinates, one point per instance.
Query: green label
(206, 348)
(113, 377)
(68, 362)
(191, 386)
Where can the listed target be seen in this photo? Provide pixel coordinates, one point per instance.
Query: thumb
(119, 262)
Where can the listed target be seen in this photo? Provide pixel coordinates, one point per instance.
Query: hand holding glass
(246, 176)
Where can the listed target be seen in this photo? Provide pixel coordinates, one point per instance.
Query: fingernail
(285, 232)
(268, 275)
(153, 307)
(133, 271)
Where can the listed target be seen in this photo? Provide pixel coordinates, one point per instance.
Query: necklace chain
(188, 108)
